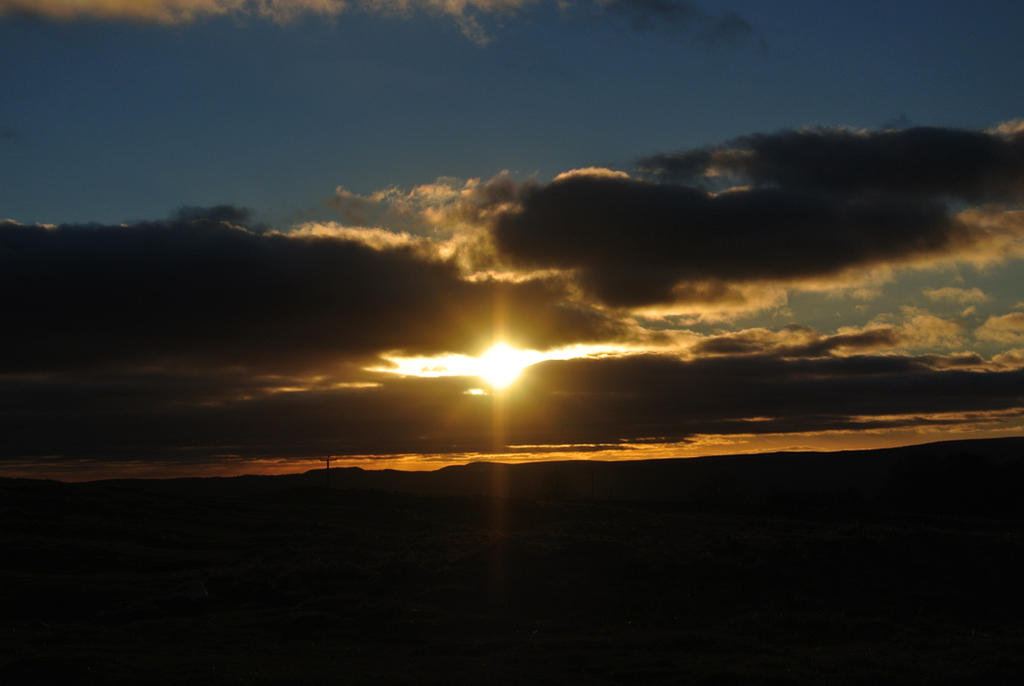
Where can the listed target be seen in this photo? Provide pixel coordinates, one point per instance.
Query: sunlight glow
(499, 366)
(502, 364)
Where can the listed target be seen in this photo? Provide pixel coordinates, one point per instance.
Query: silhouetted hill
(956, 475)
(800, 569)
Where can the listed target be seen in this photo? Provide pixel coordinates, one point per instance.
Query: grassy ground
(117, 584)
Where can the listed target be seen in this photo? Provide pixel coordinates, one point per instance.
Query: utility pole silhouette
(328, 472)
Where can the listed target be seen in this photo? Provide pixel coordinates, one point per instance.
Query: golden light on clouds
(499, 366)
(281, 11)
(169, 11)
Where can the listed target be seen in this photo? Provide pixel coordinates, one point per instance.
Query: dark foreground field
(282, 580)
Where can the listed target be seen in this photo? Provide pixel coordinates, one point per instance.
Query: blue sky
(114, 121)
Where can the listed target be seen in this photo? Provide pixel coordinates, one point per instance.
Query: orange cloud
(167, 11)
(591, 171)
(962, 296)
(184, 11)
(1008, 328)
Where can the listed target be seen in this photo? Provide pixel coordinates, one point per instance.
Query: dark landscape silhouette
(888, 566)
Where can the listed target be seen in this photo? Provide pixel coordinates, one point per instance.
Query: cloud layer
(974, 165)
(210, 292)
(711, 28)
(813, 209)
(464, 12)
(207, 334)
(167, 11)
(619, 400)
(636, 243)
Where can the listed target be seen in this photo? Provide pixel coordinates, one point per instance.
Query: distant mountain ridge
(984, 473)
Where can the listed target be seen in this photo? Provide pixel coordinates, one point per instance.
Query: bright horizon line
(96, 471)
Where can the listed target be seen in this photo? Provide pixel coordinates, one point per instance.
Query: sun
(502, 364)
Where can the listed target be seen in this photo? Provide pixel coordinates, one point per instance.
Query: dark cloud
(873, 339)
(922, 161)
(184, 416)
(956, 361)
(636, 398)
(207, 292)
(667, 397)
(636, 243)
(798, 341)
